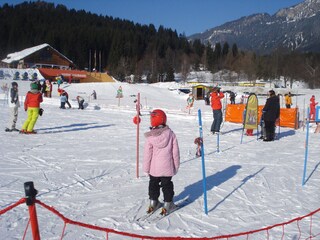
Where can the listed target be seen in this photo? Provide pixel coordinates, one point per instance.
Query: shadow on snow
(73, 127)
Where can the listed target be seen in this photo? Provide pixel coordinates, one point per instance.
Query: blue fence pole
(306, 151)
(204, 180)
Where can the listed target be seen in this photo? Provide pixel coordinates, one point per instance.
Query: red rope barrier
(22, 200)
(108, 230)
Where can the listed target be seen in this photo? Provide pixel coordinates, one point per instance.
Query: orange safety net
(288, 116)
(264, 231)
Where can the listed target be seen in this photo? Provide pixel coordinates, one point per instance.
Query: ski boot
(167, 208)
(154, 205)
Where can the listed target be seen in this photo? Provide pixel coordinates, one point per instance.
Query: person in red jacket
(32, 105)
(216, 96)
(313, 104)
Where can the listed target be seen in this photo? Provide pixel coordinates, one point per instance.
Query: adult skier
(14, 104)
(216, 96)
(271, 112)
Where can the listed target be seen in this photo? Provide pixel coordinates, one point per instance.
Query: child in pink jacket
(161, 161)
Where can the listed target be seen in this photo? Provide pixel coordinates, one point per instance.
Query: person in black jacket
(271, 112)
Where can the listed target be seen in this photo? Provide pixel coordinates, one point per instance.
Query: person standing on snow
(94, 95)
(32, 105)
(233, 98)
(14, 104)
(288, 100)
(161, 161)
(190, 101)
(271, 112)
(216, 96)
(313, 104)
(80, 102)
(63, 100)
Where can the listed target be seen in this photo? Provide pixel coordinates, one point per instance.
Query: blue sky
(185, 16)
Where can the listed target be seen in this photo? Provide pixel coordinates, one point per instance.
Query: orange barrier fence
(308, 231)
(288, 116)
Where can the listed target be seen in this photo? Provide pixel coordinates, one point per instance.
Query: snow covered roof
(17, 56)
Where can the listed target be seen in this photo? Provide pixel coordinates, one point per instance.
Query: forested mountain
(110, 44)
(123, 48)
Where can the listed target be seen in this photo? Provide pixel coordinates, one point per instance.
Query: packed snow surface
(83, 163)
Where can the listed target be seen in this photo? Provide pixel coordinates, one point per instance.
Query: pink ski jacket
(161, 153)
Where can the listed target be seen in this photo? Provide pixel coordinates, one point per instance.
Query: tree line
(124, 48)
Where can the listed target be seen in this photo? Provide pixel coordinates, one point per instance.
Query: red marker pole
(31, 193)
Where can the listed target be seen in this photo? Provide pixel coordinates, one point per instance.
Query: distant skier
(313, 104)
(288, 100)
(271, 113)
(233, 98)
(80, 102)
(216, 106)
(63, 100)
(161, 161)
(14, 104)
(190, 102)
(94, 95)
(119, 93)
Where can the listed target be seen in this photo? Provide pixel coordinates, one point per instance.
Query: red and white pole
(138, 130)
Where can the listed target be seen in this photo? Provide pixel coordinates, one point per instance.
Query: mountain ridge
(293, 28)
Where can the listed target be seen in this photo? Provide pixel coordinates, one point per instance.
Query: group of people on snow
(161, 159)
(31, 106)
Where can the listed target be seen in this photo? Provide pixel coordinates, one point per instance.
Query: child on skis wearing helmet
(32, 105)
(161, 161)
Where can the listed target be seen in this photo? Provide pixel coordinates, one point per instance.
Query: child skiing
(32, 105)
(63, 100)
(198, 142)
(190, 101)
(161, 161)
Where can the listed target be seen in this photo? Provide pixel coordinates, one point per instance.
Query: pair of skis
(155, 215)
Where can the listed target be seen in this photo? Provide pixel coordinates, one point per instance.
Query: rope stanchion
(31, 193)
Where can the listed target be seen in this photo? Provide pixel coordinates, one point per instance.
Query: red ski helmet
(157, 118)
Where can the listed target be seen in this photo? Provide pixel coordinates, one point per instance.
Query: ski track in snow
(83, 163)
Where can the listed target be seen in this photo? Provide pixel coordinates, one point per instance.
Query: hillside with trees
(124, 48)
